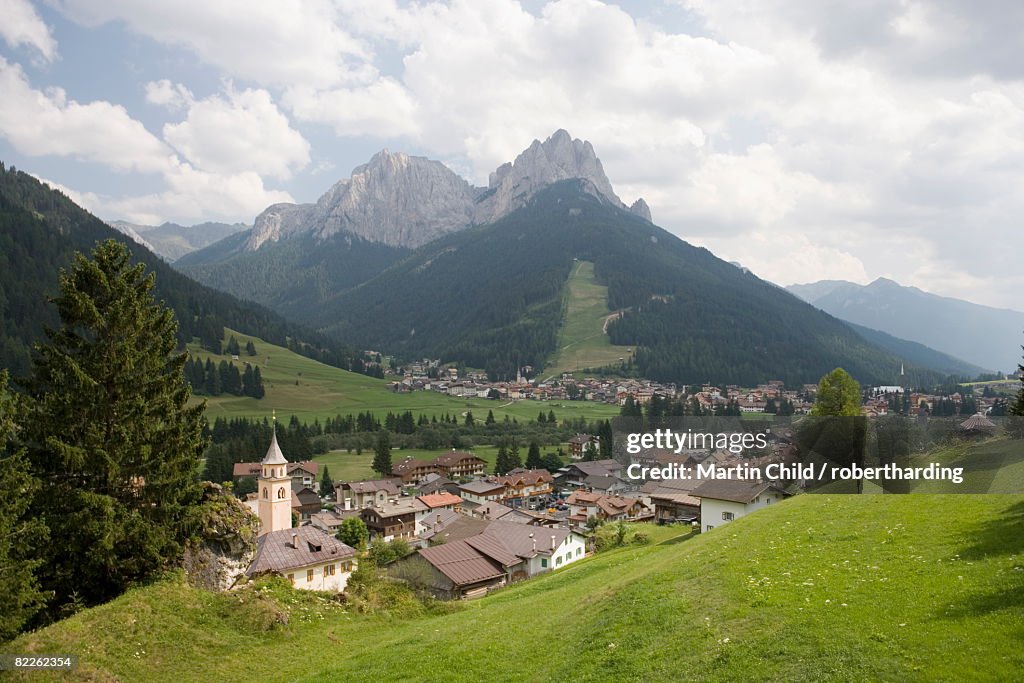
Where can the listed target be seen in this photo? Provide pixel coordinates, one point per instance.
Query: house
(356, 495)
(518, 551)
(604, 484)
(491, 510)
(305, 501)
(441, 501)
(723, 500)
(396, 518)
(481, 491)
(309, 558)
(411, 470)
(457, 464)
(451, 571)
(574, 476)
(329, 521)
(435, 483)
(578, 445)
(673, 500)
(583, 505)
(522, 485)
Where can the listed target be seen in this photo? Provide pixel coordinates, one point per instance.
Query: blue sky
(804, 140)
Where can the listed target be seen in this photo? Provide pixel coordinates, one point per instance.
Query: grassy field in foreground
(582, 342)
(296, 385)
(816, 588)
(345, 466)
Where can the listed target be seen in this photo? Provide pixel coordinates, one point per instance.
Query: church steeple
(275, 488)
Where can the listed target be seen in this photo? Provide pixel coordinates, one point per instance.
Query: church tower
(275, 489)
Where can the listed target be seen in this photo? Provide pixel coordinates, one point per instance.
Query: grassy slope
(324, 391)
(816, 588)
(582, 342)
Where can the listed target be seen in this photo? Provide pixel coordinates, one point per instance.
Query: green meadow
(582, 342)
(296, 385)
(845, 588)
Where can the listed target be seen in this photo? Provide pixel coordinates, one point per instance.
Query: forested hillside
(40, 230)
(491, 297)
(291, 276)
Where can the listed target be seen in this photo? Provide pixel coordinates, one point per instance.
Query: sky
(804, 140)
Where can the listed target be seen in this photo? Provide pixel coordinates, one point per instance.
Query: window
(558, 561)
(291, 577)
(329, 570)
(768, 500)
(309, 575)
(265, 492)
(543, 562)
(728, 516)
(579, 551)
(708, 528)
(280, 492)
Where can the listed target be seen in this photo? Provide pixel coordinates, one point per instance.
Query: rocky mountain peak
(404, 200)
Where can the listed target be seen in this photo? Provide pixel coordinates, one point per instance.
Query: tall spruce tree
(533, 459)
(110, 434)
(21, 537)
(382, 453)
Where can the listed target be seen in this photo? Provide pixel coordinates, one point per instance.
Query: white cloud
(22, 26)
(381, 109)
(240, 131)
(263, 41)
(163, 93)
(46, 122)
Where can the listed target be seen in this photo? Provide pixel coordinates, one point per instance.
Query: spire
(274, 455)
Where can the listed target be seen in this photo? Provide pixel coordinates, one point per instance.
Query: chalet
(456, 464)
(583, 505)
(305, 501)
(522, 485)
(397, 518)
(482, 491)
(435, 483)
(309, 558)
(673, 500)
(441, 501)
(723, 500)
(411, 471)
(578, 445)
(356, 495)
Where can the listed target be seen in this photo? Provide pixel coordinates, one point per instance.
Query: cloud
(163, 93)
(263, 41)
(382, 109)
(22, 26)
(239, 131)
(46, 122)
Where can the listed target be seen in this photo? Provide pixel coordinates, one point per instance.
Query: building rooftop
(304, 546)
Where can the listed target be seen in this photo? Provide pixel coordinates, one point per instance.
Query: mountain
(172, 241)
(41, 229)
(919, 354)
(298, 255)
(407, 201)
(981, 335)
(491, 297)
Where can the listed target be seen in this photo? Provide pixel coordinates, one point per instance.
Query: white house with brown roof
(356, 495)
(723, 500)
(306, 556)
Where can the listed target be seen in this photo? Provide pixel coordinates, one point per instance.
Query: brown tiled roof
(371, 486)
(526, 476)
(676, 498)
(454, 458)
(735, 490)
(493, 548)
(275, 551)
(461, 563)
(481, 486)
(439, 500)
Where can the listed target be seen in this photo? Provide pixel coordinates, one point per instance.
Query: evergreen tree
(501, 459)
(213, 387)
(514, 461)
(326, 483)
(469, 418)
(21, 537)
(533, 459)
(257, 388)
(590, 452)
(233, 348)
(382, 454)
(552, 420)
(490, 418)
(250, 348)
(542, 418)
(607, 440)
(110, 434)
(1018, 406)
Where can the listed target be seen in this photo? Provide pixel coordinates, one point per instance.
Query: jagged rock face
(225, 544)
(640, 208)
(541, 164)
(408, 201)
